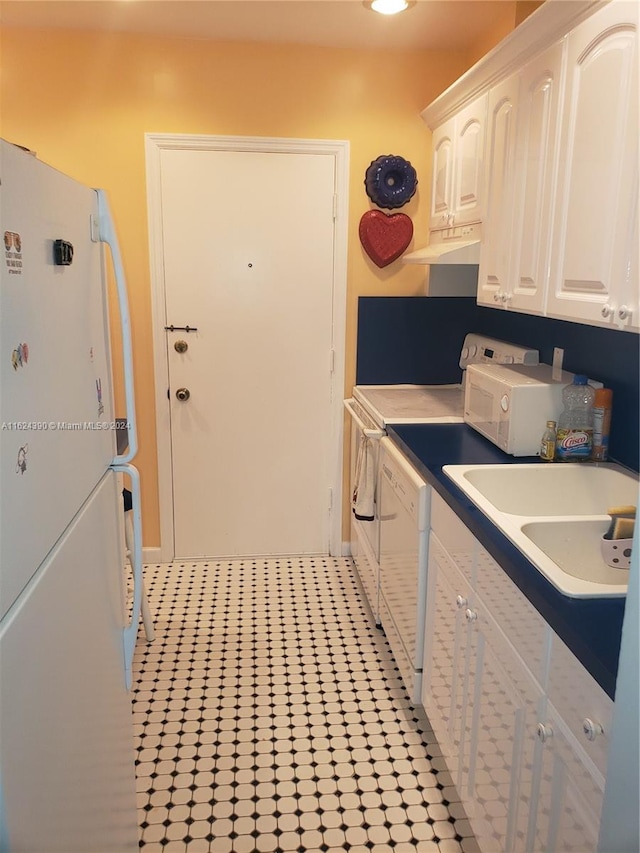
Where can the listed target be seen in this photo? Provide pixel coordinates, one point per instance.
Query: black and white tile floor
(270, 716)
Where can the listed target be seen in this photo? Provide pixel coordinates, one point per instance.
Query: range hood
(460, 245)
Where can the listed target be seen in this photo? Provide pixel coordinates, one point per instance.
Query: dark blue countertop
(590, 627)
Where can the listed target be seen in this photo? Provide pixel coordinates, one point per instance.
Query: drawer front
(520, 622)
(581, 702)
(456, 538)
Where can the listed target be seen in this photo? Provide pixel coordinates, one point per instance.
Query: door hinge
(330, 499)
(335, 206)
(332, 360)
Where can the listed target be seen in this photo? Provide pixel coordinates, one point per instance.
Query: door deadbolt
(181, 346)
(183, 394)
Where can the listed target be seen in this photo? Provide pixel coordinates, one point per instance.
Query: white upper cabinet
(521, 154)
(595, 232)
(557, 195)
(494, 282)
(535, 168)
(458, 167)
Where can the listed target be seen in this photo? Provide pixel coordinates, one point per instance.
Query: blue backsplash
(417, 339)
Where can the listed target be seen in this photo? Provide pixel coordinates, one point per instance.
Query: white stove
(372, 409)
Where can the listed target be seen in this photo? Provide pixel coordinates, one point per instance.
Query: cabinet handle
(470, 615)
(591, 729)
(607, 311)
(497, 297)
(544, 732)
(461, 602)
(624, 312)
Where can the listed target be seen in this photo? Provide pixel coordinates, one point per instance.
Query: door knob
(181, 346)
(544, 732)
(183, 394)
(624, 312)
(591, 729)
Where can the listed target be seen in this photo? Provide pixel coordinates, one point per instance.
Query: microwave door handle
(366, 431)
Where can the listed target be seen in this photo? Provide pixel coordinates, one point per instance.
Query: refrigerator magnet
(99, 392)
(21, 465)
(20, 356)
(13, 252)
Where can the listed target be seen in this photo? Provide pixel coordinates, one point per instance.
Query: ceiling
(429, 24)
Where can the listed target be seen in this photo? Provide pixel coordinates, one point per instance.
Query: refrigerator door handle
(130, 633)
(107, 234)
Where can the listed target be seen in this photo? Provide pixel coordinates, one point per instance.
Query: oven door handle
(366, 431)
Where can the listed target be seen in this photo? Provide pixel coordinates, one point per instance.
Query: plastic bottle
(601, 423)
(548, 443)
(575, 424)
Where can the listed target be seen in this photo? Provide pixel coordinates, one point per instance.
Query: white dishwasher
(405, 500)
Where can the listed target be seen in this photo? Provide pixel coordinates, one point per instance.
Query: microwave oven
(510, 404)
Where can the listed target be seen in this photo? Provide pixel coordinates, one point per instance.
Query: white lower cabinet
(522, 725)
(567, 791)
(496, 776)
(445, 661)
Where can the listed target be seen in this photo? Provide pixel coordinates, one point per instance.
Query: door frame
(155, 143)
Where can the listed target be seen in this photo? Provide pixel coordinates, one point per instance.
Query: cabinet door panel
(496, 781)
(598, 164)
(469, 161)
(537, 147)
(442, 175)
(579, 699)
(569, 794)
(493, 278)
(443, 685)
(522, 625)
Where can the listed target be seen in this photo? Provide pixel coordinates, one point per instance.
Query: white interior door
(248, 258)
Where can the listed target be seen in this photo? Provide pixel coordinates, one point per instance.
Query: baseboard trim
(151, 555)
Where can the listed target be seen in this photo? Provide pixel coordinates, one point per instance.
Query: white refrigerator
(67, 778)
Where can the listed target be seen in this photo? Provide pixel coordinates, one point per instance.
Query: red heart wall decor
(384, 236)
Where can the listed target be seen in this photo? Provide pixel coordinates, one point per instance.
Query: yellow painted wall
(83, 101)
(511, 14)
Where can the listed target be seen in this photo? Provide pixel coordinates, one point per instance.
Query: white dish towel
(363, 498)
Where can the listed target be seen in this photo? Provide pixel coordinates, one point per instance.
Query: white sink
(548, 489)
(556, 515)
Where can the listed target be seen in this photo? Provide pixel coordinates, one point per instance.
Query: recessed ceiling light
(389, 7)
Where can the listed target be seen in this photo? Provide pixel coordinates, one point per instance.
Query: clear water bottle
(575, 425)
